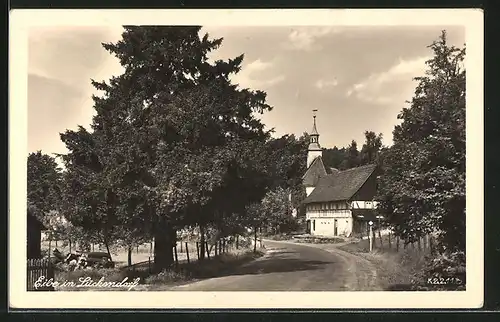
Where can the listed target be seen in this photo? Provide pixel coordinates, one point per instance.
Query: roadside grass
(204, 269)
(184, 273)
(397, 268)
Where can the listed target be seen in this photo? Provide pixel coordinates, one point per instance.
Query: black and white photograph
(315, 157)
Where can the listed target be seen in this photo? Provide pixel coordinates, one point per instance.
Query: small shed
(34, 235)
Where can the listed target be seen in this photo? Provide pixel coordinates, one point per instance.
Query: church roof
(340, 185)
(314, 172)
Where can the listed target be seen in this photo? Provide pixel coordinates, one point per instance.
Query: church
(338, 203)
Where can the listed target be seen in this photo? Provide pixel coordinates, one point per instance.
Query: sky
(358, 78)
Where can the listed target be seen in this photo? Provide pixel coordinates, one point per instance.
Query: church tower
(314, 149)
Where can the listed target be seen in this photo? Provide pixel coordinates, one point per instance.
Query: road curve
(295, 267)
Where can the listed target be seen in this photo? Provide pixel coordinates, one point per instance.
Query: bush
(166, 277)
(442, 271)
(324, 240)
(95, 274)
(109, 274)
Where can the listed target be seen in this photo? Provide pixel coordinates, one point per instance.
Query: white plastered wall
(323, 222)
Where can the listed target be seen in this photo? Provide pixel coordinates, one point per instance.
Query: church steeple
(314, 149)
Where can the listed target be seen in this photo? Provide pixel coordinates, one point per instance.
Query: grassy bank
(219, 265)
(400, 268)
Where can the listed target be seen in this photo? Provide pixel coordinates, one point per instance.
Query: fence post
(380, 237)
(176, 258)
(373, 238)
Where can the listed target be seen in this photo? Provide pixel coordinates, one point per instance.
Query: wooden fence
(38, 269)
(388, 241)
(184, 252)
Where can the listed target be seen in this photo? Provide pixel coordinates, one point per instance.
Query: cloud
(254, 75)
(385, 87)
(305, 38)
(324, 83)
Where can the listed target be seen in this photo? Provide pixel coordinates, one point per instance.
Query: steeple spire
(314, 149)
(314, 130)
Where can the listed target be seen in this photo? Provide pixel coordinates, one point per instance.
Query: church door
(308, 228)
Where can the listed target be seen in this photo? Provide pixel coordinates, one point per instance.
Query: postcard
(246, 159)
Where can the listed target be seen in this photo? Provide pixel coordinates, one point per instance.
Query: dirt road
(295, 267)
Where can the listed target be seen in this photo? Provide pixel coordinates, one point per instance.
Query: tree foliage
(173, 139)
(350, 156)
(370, 152)
(422, 189)
(44, 184)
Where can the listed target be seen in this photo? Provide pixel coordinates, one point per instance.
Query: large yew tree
(169, 135)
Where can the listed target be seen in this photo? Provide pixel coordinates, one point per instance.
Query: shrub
(109, 274)
(323, 240)
(166, 277)
(442, 271)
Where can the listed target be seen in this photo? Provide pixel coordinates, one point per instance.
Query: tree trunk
(107, 248)
(202, 241)
(69, 245)
(129, 256)
(164, 244)
(255, 240)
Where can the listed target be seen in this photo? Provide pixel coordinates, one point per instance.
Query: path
(289, 266)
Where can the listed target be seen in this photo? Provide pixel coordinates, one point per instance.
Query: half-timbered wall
(330, 218)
